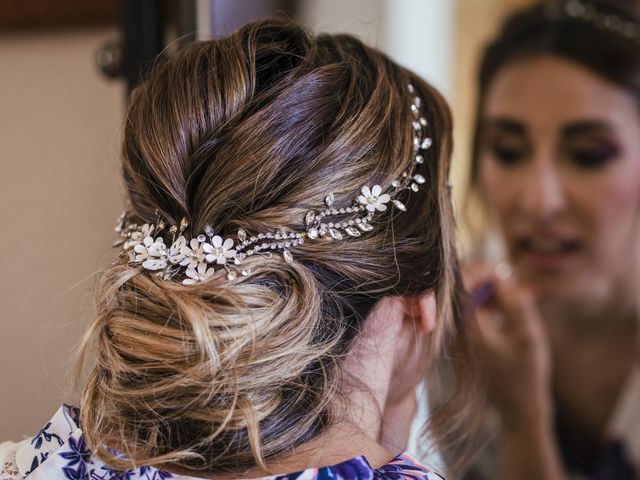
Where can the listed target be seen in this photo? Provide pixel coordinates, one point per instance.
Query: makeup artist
(556, 166)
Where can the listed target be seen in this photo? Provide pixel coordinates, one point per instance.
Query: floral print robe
(59, 452)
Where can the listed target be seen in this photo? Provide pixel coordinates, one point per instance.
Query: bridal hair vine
(581, 10)
(195, 260)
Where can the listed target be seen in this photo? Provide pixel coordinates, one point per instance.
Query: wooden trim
(36, 14)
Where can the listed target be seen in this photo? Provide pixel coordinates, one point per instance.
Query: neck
(593, 353)
(368, 368)
(343, 441)
(340, 443)
(368, 371)
(581, 322)
(347, 438)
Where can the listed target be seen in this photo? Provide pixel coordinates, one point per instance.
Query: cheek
(614, 205)
(498, 188)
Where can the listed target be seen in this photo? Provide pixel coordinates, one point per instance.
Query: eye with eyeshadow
(593, 157)
(590, 145)
(508, 154)
(505, 141)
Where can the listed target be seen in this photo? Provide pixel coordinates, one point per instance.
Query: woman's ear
(428, 312)
(421, 312)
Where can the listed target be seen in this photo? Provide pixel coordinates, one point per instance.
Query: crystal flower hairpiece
(580, 10)
(197, 259)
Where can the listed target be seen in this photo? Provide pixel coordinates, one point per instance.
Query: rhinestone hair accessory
(580, 10)
(197, 259)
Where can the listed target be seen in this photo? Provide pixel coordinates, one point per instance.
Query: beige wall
(59, 196)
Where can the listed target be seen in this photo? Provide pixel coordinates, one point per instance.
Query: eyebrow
(575, 129)
(505, 124)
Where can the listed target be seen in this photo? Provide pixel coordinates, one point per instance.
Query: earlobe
(428, 312)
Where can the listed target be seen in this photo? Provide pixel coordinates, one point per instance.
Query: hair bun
(211, 360)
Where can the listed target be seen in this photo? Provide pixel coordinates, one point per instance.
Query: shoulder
(406, 466)
(20, 460)
(59, 452)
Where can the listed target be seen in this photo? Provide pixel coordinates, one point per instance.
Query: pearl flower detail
(201, 274)
(372, 199)
(194, 254)
(219, 251)
(179, 250)
(138, 237)
(151, 253)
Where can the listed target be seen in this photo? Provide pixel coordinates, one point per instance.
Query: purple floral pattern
(59, 452)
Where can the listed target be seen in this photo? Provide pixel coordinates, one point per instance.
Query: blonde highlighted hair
(250, 131)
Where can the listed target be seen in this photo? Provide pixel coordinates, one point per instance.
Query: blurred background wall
(60, 192)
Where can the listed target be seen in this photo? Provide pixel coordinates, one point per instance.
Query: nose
(543, 197)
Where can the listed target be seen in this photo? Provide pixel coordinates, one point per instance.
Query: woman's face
(559, 166)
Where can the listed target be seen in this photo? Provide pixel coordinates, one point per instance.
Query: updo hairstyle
(251, 131)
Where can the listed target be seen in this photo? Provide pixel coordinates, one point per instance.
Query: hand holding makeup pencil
(514, 349)
(513, 346)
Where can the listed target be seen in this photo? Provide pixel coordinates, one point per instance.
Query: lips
(548, 253)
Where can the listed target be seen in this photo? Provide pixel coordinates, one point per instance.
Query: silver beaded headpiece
(195, 260)
(580, 10)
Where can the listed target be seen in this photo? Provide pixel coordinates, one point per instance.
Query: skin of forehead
(546, 93)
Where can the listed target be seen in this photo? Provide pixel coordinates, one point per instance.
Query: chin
(580, 290)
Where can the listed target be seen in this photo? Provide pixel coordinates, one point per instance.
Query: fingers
(510, 321)
(512, 295)
(502, 305)
(516, 303)
(490, 329)
(493, 286)
(512, 344)
(474, 276)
